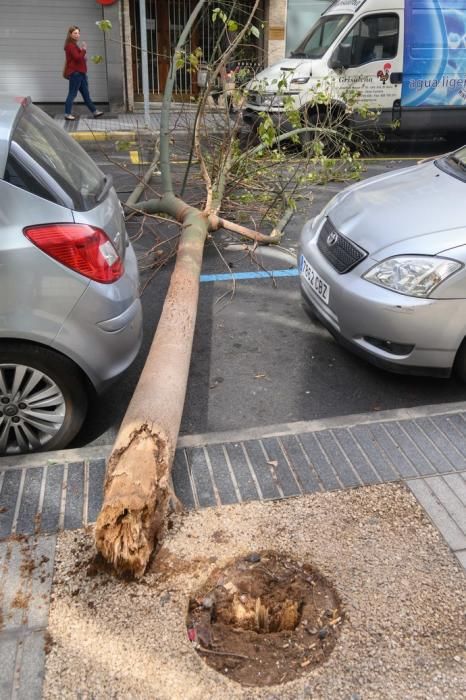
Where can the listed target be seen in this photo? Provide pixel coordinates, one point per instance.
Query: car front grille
(341, 253)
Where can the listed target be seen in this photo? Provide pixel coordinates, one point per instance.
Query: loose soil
(402, 593)
(264, 619)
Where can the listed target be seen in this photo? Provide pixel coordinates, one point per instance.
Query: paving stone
(462, 557)
(434, 456)
(338, 460)
(31, 673)
(50, 515)
(445, 523)
(244, 479)
(457, 485)
(285, 476)
(320, 462)
(222, 475)
(258, 461)
(393, 451)
(442, 440)
(454, 433)
(8, 498)
(365, 438)
(14, 585)
(201, 478)
(43, 557)
(96, 488)
(182, 481)
(356, 457)
(400, 436)
(74, 496)
(26, 523)
(8, 652)
(449, 500)
(308, 478)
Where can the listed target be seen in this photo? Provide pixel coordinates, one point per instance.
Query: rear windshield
(49, 148)
(321, 36)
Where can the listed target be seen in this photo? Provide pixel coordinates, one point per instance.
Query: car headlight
(413, 275)
(272, 101)
(300, 81)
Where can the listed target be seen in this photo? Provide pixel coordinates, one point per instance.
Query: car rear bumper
(103, 333)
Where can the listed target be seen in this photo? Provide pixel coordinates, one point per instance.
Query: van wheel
(459, 366)
(43, 401)
(320, 119)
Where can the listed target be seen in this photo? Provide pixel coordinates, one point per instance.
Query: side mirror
(335, 63)
(341, 57)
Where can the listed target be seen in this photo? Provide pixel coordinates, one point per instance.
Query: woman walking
(76, 72)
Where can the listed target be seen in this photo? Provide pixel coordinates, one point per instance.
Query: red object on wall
(106, 2)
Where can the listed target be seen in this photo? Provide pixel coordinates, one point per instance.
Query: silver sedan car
(384, 267)
(70, 313)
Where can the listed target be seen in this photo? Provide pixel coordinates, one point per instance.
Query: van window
(373, 38)
(321, 36)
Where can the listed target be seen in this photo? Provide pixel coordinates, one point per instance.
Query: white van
(406, 58)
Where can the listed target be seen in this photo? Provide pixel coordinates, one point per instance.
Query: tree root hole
(265, 619)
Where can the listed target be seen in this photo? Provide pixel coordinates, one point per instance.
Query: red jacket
(75, 59)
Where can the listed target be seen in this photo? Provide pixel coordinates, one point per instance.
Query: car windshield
(454, 163)
(60, 156)
(321, 36)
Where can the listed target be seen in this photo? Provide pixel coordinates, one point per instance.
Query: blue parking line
(260, 274)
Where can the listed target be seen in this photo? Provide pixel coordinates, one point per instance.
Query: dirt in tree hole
(265, 619)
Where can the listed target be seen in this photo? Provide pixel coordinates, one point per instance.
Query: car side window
(17, 175)
(373, 38)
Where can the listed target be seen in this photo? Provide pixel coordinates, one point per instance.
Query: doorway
(165, 21)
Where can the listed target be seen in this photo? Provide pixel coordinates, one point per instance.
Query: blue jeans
(78, 83)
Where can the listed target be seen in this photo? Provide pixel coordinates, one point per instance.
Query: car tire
(459, 366)
(43, 399)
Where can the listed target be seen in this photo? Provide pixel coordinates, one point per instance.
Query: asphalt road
(258, 359)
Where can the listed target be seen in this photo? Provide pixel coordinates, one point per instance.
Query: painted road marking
(260, 274)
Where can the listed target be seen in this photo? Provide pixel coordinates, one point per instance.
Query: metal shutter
(32, 35)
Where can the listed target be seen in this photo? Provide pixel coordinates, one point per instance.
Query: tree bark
(138, 488)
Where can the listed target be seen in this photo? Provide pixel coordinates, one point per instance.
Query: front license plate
(314, 280)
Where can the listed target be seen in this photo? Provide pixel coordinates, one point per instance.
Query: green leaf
(179, 60)
(232, 26)
(104, 25)
(254, 31)
(97, 59)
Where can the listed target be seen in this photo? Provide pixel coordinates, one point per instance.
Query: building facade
(32, 34)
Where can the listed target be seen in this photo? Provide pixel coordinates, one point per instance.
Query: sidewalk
(283, 467)
(182, 116)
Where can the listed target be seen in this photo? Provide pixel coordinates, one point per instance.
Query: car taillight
(82, 248)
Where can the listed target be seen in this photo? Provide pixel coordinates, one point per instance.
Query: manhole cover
(265, 619)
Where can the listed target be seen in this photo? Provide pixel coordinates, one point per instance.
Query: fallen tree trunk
(138, 490)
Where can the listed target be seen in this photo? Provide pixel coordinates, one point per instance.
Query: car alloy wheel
(42, 400)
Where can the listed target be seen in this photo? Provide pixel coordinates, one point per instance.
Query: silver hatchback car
(384, 267)
(70, 313)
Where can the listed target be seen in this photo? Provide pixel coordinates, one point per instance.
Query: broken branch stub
(138, 490)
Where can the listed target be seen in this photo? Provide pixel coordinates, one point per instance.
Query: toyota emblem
(332, 238)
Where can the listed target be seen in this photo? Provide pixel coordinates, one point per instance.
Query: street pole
(144, 61)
